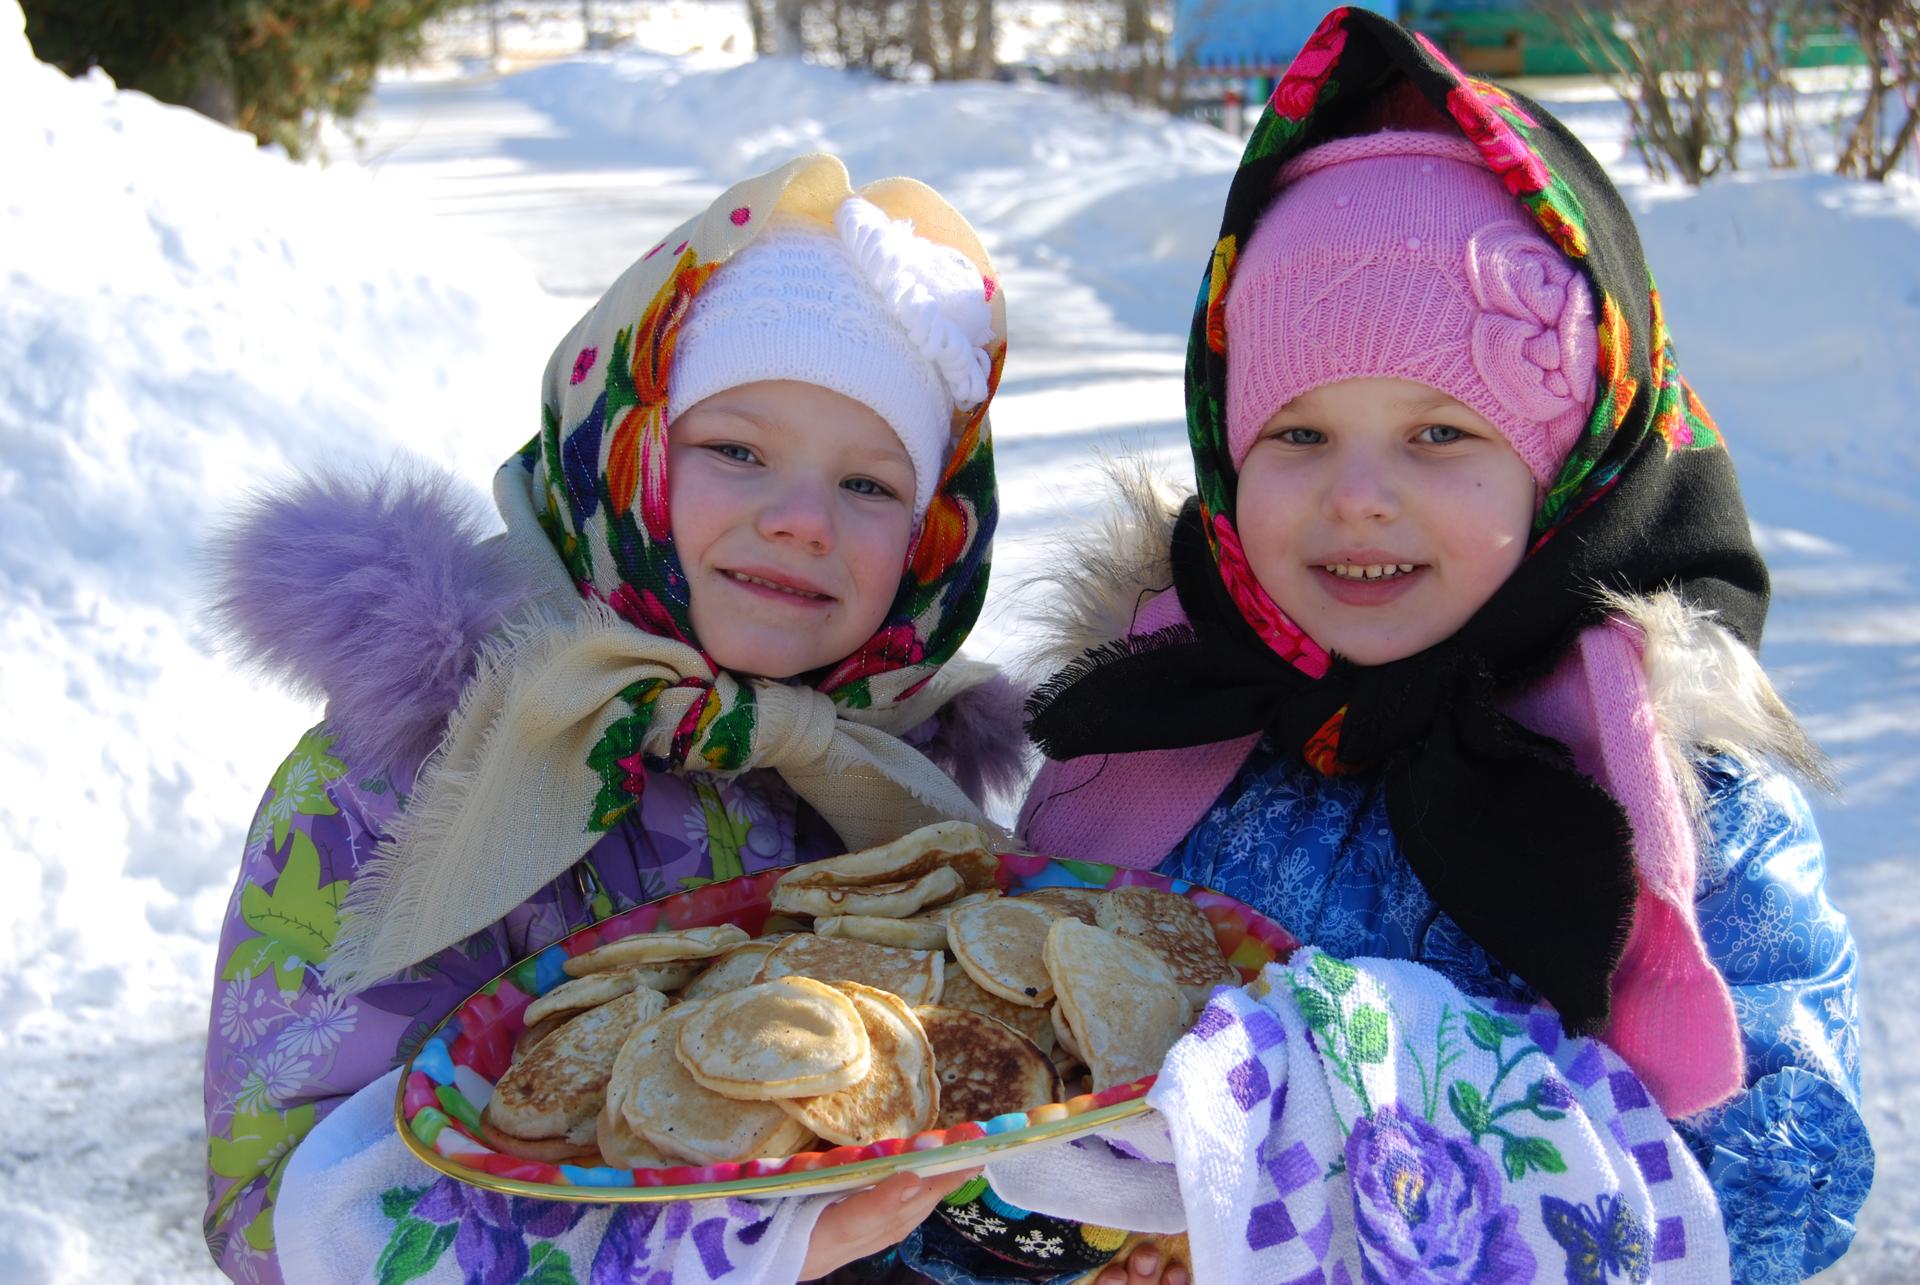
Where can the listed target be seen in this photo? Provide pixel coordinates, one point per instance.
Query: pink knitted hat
(1398, 254)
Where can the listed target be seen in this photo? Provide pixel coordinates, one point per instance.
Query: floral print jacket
(284, 1050)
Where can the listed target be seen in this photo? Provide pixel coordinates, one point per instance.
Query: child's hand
(873, 1220)
(1143, 1265)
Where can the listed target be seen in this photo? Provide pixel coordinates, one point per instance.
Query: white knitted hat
(867, 309)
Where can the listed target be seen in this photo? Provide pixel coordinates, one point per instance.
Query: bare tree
(1694, 75)
(789, 38)
(952, 38)
(1773, 35)
(920, 35)
(760, 23)
(985, 33)
(1680, 68)
(1889, 35)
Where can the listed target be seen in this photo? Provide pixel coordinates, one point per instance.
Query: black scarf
(1528, 855)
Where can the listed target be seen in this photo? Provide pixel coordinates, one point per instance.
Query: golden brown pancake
(556, 1090)
(532, 1036)
(1173, 928)
(943, 913)
(790, 1037)
(583, 993)
(674, 946)
(894, 900)
(958, 844)
(667, 1108)
(898, 1096)
(1082, 903)
(1119, 999)
(731, 971)
(619, 1144)
(1002, 945)
(553, 1151)
(917, 933)
(962, 991)
(915, 976)
(986, 1068)
(1063, 1034)
(1068, 1066)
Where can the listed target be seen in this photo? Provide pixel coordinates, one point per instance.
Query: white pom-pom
(933, 289)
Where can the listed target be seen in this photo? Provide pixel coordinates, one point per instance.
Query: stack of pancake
(921, 998)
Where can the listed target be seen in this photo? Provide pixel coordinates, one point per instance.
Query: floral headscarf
(598, 475)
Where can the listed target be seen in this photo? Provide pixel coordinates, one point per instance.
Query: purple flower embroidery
(1428, 1207)
(491, 1245)
(624, 1252)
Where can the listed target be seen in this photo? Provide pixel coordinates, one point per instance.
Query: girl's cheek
(879, 535)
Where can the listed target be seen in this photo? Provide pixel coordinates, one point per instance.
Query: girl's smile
(1368, 577)
(777, 585)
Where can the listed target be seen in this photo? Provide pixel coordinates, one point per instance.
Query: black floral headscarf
(1529, 856)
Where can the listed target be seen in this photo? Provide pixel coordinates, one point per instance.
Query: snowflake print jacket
(1789, 1159)
(284, 1051)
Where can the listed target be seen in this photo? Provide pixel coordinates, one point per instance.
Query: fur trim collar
(1710, 695)
(376, 593)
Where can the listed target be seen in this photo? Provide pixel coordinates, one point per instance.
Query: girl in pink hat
(1450, 658)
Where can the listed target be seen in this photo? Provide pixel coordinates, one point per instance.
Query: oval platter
(447, 1082)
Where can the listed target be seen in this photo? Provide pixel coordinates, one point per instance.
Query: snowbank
(183, 317)
(1127, 200)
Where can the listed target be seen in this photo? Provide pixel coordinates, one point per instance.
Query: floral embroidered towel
(355, 1205)
(1345, 1121)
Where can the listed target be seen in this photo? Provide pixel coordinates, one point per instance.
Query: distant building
(1254, 40)
(1247, 38)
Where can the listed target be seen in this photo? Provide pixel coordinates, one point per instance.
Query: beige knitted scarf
(496, 812)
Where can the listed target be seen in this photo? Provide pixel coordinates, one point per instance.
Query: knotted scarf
(601, 681)
(1522, 850)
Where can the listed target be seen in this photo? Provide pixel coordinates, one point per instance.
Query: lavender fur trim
(374, 592)
(978, 740)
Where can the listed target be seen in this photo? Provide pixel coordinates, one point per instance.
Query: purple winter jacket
(379, 595)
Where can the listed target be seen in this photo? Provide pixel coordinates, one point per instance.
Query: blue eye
(1301, 436)
(1443, 434)
(867, 486)
(733, 451)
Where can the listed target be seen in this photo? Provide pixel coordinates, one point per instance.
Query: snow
(185, 318)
